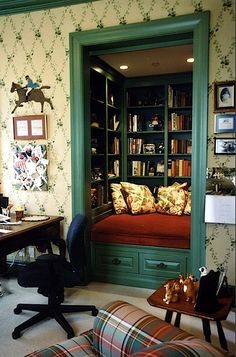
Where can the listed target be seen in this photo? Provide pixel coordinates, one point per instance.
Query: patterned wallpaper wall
(37, 44)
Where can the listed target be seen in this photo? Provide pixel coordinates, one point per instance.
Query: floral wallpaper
(36, 44)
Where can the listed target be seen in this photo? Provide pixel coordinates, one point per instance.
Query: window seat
(154, 229)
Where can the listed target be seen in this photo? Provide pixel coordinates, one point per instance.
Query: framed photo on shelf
(225, 146)
(225, 123)
(30, 127)
(149, 148)
(224, 96)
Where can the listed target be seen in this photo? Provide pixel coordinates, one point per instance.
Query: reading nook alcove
(127, 262)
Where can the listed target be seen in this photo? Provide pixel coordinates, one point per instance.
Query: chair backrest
(75, 241)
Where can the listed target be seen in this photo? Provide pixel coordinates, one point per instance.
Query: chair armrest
(131, 329)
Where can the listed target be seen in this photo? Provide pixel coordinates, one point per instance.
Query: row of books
(135, 123)
(114, 122)
(135, 145)
(179, 122)
(113, 168)
(115, 146)
(179, 98)
(146, 168)
(179, 167)
(180, 146)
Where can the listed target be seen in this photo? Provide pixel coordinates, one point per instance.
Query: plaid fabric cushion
(122, 329)
(80, 346)
(194, 348)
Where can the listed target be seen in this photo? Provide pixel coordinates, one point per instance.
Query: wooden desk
(28, 233)
(187, 308)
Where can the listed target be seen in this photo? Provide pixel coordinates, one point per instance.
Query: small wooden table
(187, 308)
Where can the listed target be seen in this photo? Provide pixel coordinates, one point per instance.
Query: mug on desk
(19, 212)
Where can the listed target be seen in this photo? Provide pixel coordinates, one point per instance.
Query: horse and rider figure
(34, 94)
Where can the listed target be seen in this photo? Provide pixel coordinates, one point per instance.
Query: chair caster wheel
(17, 310)
(15, 334)
(94, 312)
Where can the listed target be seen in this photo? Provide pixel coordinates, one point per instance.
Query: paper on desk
(5, 230)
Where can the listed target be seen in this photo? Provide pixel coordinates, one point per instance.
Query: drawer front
(115, 261)
(166, 265)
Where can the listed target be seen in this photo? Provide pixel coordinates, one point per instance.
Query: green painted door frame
(81, 45)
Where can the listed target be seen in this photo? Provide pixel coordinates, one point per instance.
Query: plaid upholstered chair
(121, 329)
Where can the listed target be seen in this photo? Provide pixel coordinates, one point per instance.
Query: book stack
(180, 146)
(179, 98)
(179, 122)
(179, 167)
(115, 147)
(135, 145)
(135, 123)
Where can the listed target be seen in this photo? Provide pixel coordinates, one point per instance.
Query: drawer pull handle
(116, 261)
(161, 266)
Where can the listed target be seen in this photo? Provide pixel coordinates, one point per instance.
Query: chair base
(46, 311)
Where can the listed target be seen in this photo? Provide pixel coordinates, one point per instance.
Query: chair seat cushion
(39, 274)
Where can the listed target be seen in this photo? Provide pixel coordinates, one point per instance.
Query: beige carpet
(49, 332)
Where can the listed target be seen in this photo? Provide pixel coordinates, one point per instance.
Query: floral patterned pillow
(139, 198)
(118, 200)
(187, 208)
(172, 199)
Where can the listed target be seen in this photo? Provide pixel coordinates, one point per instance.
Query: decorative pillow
(118, 200)
(187, 208)
(171, 199)
(139, 198)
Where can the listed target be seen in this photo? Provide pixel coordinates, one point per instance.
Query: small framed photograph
(30, 127)
(225, 123)
(224, 96)
(225, 146)
(149, 148)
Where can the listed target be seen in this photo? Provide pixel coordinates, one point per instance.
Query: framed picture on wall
(30, 127)
(224, 96)
(225, 123)
(225, 146)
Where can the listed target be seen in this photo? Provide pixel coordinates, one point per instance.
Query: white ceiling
(152, 61)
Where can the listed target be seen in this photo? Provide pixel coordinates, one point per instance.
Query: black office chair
(51, 273)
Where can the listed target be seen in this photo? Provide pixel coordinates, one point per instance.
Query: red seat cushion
(153, 229)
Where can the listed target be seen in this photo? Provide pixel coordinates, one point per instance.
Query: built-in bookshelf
(141, 131)
(106, 148)
(159, 130)
(179, 131)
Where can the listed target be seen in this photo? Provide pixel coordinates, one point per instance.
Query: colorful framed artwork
(225, 146)
(30, 165)
(225, 123)
(30, 127)
(224, 96)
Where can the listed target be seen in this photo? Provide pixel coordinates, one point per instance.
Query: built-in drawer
(163, 264)
(114, 260)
